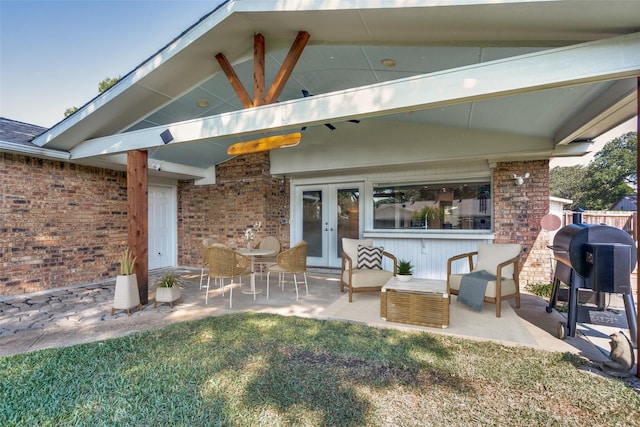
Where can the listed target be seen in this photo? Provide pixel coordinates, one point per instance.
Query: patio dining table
(252, 253)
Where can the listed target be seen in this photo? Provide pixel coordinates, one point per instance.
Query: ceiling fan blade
(306, 94)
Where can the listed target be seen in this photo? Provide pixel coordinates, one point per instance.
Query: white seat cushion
(508, 285)
(491, 254)
(364, 278)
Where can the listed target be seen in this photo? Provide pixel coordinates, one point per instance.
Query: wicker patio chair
(205, 257)
(264, 261)
(291, 261)
(225, 263)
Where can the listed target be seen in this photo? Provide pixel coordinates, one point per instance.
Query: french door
(323, 215)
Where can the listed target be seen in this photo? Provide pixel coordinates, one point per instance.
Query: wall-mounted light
(265, 144)
(520, 179)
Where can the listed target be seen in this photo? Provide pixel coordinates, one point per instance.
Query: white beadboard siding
(429, 256)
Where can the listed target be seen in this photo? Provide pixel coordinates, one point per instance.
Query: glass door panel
(312, 222)
(348, 216)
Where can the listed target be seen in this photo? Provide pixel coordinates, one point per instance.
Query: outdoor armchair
(362, 266)
(499, 260)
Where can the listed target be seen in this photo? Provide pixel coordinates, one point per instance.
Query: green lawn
(257, 370)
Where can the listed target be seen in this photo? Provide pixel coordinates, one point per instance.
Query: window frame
(370, 231)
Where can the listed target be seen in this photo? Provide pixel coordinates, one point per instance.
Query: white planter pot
(404, 277)
(167, 295)
(126, 294)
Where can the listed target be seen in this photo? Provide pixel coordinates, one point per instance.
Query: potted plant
(126, 293)
(168, 290)
(404, 270)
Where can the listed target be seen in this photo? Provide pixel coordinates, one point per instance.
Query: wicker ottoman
(423, 302)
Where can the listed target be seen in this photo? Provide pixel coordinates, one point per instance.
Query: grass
(252, 369)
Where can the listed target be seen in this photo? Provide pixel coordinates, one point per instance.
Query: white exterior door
(322, 216)
(162, 227)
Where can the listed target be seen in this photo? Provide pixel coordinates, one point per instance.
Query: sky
(53, 54)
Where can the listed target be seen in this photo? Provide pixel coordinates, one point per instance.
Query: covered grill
(596, 257)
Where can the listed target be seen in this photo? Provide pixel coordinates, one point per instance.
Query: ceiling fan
(306, 94)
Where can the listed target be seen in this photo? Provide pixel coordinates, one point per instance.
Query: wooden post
(137, 218)
(258, 70)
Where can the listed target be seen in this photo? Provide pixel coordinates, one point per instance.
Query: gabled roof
(557, 73)
(18, 132)
(16, 137)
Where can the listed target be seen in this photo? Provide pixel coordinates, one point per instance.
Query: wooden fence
(625, 220)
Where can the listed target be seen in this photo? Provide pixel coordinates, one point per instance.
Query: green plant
(127, 262)
(404, 268)
(542, 290)
(169, 281)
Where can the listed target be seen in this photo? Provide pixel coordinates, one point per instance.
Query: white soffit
(187, 60)
(602, 60)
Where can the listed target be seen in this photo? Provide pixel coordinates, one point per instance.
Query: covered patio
(79, 314)
(419, 93)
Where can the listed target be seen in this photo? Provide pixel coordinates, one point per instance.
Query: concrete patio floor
(81, 314)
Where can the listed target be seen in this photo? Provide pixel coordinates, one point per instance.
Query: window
(447, 206)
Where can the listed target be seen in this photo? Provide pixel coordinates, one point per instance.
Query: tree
(567, 183)
(102, 86)
(611, 175)
(107, 83)
(69, 111)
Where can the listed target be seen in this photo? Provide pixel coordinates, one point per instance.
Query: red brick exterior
(61, 223)
(518, 212)
(64, 224)
(244, 193)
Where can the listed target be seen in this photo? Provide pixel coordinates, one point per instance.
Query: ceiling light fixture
(265, 144)
(388, 62)
(203, 103)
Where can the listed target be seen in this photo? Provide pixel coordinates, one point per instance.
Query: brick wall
(518, 212)
(60, 224)
(244, 193)
(64, 224)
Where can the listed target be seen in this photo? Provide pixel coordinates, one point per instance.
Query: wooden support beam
(236, 84)
(258, 70)
(137, 218)
(287, 67)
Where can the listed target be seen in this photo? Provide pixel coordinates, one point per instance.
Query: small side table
(423, 302)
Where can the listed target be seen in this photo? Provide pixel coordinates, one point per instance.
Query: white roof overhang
(542, 69)
(602, 60)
